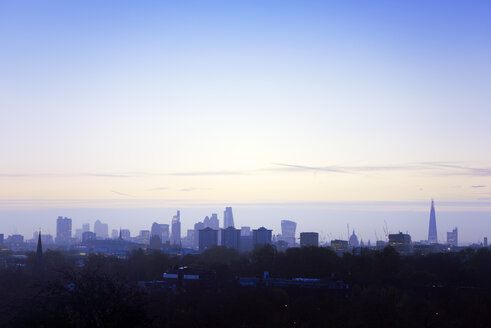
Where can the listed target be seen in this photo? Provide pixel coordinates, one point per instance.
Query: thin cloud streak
(294, 167)
(192, 189)
(121, 193)
(431, 168)
(480, 204)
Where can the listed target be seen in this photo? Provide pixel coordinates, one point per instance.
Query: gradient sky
(159, 104)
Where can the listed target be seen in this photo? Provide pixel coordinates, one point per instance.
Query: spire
(432, 234)
(38, 267)
(120, 235)
(39, 251)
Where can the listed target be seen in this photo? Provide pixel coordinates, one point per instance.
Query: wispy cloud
(68, 175)
(192, 189)
(460, 169)
(202, 173)
(433, 168)
(428, 168)
(294, 167)
(479, 186)
(158, 189)
(121, 194)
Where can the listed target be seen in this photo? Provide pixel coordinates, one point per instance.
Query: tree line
(386, 290)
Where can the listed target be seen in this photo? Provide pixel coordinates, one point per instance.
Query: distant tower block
(432, 235)
(228, 218)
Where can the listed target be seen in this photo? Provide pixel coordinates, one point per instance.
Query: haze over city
(327, 113)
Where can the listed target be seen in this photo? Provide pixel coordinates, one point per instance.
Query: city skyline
(245, 163)
(281, 105)
(366, 230)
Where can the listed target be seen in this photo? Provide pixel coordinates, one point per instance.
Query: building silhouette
(101, 230)
(213, 222)
(197, 227)
(63, 230)
(228, 218)
(155, 242)
(144, 237)
(46, 239)
(176, 230)
(353, 240)
(161, 231)
(432, 235)
(261, 236)
(309, 239)
(401, 242)
(114, 234)
(88, 236)
(78, 234)
(339, 246)
(281, 245)
(288, 229)
(124, 234)
(245, 231)
(208, 238)
(453, 237)
(231, 238)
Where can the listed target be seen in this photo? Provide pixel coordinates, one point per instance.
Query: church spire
(39, 266)
(39, 251)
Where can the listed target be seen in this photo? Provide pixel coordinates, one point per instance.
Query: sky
(279, 108)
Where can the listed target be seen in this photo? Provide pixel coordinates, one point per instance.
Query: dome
(353, 240)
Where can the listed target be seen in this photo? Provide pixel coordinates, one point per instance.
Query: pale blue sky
(201, 100)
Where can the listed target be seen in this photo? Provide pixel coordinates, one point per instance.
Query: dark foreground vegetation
(386, 290)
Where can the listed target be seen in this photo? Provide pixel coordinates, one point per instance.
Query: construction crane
(386, 230)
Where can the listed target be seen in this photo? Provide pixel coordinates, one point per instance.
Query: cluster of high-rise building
(207, 233)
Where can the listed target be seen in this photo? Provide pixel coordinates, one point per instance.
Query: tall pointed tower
(39, 266)
(432, 235)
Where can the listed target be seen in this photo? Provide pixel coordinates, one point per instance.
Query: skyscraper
(228, 218)
(213, 223)
(101, 230)
(432, 236)
(176, 230)
(231, 238)
(208, 238)
(63, 230)
(309, 239)
(161, 231)
(288, 229)
(453, 237)
(261, 236)
(197, 227)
